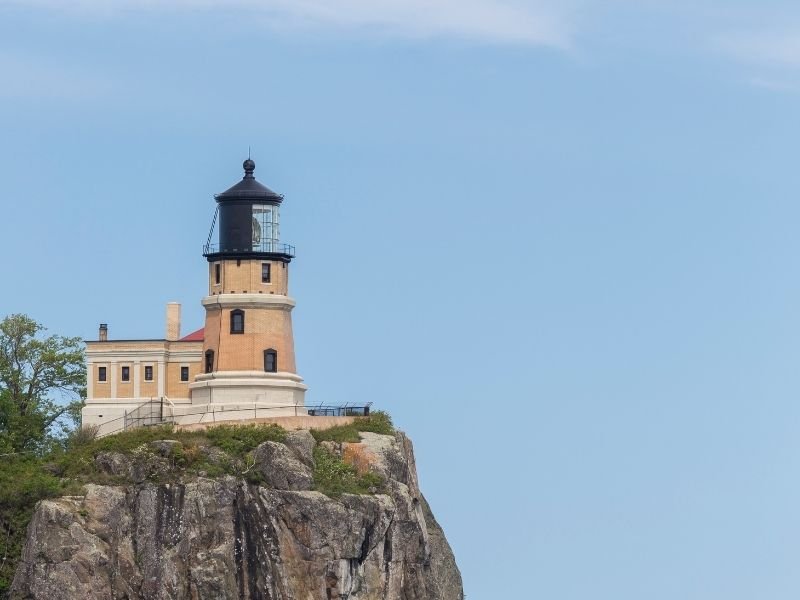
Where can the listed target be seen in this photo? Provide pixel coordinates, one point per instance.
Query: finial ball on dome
(249, 166)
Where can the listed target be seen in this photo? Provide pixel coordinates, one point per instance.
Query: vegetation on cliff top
(377, 422)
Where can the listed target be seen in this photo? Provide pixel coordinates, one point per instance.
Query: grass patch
(334, 477)
(241, 439)
(377, 422)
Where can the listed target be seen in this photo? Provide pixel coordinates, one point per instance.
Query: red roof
(195, 336)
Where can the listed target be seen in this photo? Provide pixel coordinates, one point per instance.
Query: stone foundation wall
(288, 423)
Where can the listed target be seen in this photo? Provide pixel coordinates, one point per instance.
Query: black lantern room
(249, 222)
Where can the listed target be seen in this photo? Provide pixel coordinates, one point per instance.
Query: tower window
(209, 361)
(270, 361)
(184, 373)
(237, 321)
(126, 373)
(101, 374)
(265, 272)
(217, 273)
(148, 373)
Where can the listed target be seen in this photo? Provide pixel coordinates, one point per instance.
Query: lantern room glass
(266, 233)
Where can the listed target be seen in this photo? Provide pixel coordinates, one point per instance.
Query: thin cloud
(775, 85)
(537, 22)
(771, 55)
(773, 49)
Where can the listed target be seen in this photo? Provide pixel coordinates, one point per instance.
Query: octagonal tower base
(240, 395)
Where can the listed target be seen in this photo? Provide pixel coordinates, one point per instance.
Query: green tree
(42, 384)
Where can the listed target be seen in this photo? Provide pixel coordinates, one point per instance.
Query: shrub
(82, 436)
(23, 483)
(334, 477)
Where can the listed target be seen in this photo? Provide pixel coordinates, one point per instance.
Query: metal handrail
(264, 247)
(152, 412)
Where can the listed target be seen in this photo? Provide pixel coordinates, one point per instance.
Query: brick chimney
(173, 321)
(103, 333)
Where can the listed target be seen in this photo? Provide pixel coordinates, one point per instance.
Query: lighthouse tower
(248, 347)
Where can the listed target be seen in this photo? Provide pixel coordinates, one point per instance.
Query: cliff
(262, 533)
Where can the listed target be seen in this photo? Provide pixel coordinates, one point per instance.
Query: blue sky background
(558, 241)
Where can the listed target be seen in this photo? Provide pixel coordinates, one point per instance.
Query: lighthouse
(248, 346)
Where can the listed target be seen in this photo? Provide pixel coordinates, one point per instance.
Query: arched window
(209, 361)
(237, 321)
(270, 361)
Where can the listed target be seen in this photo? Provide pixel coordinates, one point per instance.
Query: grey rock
(222, 538)
(137, 467)
(113, 463)
(280, 467)
(216, 456)
(334, 448)
(165, 448)
(302, 443)
(393, 458)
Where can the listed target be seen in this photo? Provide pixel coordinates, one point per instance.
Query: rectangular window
(126, 373)
(265, 272)
(237, 321)
(148, 373)
(101, 373)
(184, 373)
(217, 273)
(270, 361)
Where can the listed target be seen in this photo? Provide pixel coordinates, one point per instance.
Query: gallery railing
(344, 410)
(268, 247)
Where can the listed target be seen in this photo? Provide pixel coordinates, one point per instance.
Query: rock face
(280, 469)
(224, 538)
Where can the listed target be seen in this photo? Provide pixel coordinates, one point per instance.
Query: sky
(557, 241)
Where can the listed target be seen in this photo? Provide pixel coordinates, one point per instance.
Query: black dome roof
(249, 189)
